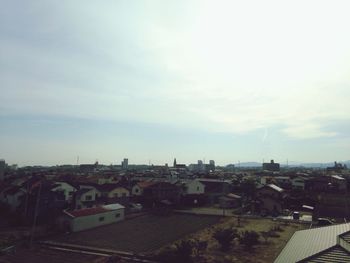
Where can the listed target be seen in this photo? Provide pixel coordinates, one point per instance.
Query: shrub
(225, 237)
(249, 239)
(182, 252)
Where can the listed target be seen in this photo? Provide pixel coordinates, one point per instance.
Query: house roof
(83, 191)
(146, 184)
(109, 187)
(307, 243)
(233, 196)
(338, 177)
(275, 187)
(93, 210)
(334, 254)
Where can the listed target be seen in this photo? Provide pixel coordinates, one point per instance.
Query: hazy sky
(154, 80)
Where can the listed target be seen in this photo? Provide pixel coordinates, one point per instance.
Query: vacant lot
(265, 252)
(141, 234)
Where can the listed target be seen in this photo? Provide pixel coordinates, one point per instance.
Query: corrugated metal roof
(335, 254)
(306, 243)
(275, 187)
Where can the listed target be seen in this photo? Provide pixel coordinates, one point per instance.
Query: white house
(86, 197)
(192, 187)
(13, 196)
(298, 183)
(67, 189)
(88, 218)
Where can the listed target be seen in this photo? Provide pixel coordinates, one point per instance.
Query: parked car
(135, 207)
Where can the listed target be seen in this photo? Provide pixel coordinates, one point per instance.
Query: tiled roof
(145, 184)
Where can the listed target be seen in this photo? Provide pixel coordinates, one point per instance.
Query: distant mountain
(294, 164)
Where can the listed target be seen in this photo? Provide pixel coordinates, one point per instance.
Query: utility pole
(35, 216)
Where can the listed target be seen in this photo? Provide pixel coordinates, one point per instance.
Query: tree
(249, 239)
(225, 237)
(265, 235)
(248, 187)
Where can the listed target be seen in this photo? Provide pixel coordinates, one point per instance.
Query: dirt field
(141, 234)
(262, 253)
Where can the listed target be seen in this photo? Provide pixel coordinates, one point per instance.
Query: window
(102, 218)
(71, 193)
(136, 190)
(88, 197)
(124, 194)
(197, 188)
(116, 195)
(117, 215)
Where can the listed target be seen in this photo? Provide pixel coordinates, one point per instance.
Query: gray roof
(335, 254)
(275, 187)
(306, 243)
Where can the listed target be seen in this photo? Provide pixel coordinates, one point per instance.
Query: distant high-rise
(2, 169)
(125, 164)
(201, 166)
(212, 165)
(174, 163)
(271, 166)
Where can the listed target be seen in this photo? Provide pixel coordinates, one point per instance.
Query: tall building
(271, 166)
(2, 169)
(212, 165)
(201, 166)
(125, 164)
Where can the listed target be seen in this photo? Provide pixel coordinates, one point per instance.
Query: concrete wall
(92, 221)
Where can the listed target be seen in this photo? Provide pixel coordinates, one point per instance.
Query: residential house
(136, 189)
(114, 193)
(157, 191)
(215, 188)
(66, 189)
(12, 196)
(192, 191)
(86, 198)
(269, 199)
(230, 201)
(298, 183)
(339, 182)
(83, 219)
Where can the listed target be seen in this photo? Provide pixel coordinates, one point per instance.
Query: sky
(154, 80)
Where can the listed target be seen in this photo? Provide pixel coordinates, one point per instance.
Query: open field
(262, 253)
(141, 234)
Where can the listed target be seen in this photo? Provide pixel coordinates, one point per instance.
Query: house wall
(266, 191)
(271, 205)
(136, 190)
(119, 192)
(92, 221)
(14, 200)
(195, 187)
(67, 189)
(298, 183)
